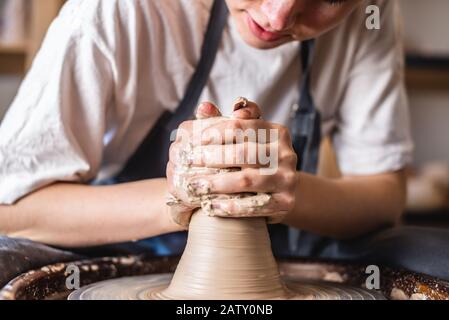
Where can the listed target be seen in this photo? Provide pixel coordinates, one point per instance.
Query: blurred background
(23, 24)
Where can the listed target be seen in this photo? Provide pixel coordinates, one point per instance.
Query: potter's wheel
(49, 283)
(225, 259)
(240, 267)
(214, 265)
(150, 288)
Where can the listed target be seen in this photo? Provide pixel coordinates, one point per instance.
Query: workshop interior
(408, 261)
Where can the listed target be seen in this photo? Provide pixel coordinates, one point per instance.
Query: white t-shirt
(108, 69)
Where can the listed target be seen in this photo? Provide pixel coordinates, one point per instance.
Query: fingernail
(200, 111)
(240, 103)
(207, 110)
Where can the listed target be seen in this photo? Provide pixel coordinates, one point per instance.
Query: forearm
(72, 215)
(347, 207)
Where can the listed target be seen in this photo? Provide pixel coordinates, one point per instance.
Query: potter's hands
(262, 181)
(181, 202)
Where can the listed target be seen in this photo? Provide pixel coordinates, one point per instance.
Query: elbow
(393, 214)
(399, 200)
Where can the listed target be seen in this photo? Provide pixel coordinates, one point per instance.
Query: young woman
(111, 72)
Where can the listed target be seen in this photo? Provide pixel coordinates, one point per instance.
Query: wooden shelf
(16, 58)
(12, 58)
(426, 72)
(427, 79)
(12, 64)
(10, 49)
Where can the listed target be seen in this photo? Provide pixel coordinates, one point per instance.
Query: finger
(208, 115)
(244, 109)
(179, 183)
(260, 205)
(242, 155)
(207, 110)
(244, 181)
(220, 130)
(177, 187)
(169, 174)
(175, 153)
(179, 214)
(238, 130)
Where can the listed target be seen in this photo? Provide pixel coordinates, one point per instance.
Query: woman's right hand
(181, 202)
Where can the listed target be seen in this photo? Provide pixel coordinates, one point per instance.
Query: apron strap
(199, 79)
(306, 123)
(142, 164)
(305, 129)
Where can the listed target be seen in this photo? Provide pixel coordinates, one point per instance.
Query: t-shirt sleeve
(54, 129)
(373, 131)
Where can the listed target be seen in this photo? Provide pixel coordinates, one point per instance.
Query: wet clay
(149, 288)
(227, 258)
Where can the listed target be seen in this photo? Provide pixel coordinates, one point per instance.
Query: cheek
(237, 5)
(319, 19)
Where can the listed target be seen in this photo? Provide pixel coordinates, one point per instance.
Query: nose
(280, 13)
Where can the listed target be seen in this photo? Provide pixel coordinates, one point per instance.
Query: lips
(260, 32)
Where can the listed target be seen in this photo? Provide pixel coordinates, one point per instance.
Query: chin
(264, 45)
(250, 39)
(257, 43)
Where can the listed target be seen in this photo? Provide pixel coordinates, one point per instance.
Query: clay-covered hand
(234, 167)
(182, 203)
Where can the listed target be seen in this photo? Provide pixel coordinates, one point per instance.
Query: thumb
(246, 110)
(207, 110)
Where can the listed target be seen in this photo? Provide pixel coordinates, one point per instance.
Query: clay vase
(227, 259)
